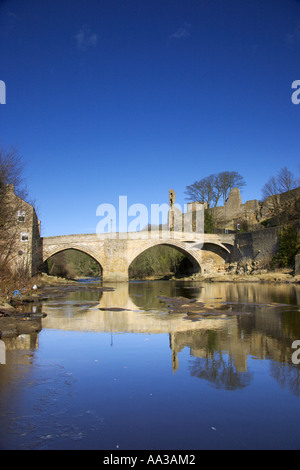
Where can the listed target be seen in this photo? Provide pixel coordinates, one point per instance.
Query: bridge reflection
(136, 308)
(219, 348)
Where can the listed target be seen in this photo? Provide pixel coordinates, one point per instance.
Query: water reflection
(220, 346)
(263, 323)
(88, 388)
(220, 370)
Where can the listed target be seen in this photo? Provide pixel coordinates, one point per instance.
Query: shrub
(289, 245)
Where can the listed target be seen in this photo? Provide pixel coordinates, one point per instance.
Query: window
(24, 237)
(21, 216)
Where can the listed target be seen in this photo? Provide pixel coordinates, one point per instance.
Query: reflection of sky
(84, 390)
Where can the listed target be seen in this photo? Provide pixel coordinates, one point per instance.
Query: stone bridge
(116, 251)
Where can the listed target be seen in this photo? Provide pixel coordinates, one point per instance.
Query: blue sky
(133, 97)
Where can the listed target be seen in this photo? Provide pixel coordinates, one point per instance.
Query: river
(120, 369)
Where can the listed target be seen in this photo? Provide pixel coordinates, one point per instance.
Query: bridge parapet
(142, 235)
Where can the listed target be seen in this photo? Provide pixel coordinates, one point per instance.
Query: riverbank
(283, 276)
(20, 300)
(278, 276)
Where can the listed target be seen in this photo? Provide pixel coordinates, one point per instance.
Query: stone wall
(259, 246)
(286, 202)
(256, 249)
(234, 212)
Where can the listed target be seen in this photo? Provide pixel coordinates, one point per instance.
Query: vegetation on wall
(289, 246)
(209, 225)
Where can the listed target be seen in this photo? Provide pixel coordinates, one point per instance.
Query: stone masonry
(235, 215)
(115, 251)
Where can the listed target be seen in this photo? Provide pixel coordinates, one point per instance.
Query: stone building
(21, 245)
(255, 225)
(236, 216)
(233, 216)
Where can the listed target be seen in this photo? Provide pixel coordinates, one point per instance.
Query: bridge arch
(53, 250)
(192, 254)
(218, 249)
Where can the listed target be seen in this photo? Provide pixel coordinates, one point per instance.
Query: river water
(116, 369)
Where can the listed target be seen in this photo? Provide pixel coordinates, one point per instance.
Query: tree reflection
(219, 370)
(287, 375)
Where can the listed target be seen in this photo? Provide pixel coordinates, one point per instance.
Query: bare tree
(11, 174)
(286, 180)
(202, 191)
(228, 180)
(211, 188)
(276, 185)
(270, 190)
(11, 171)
